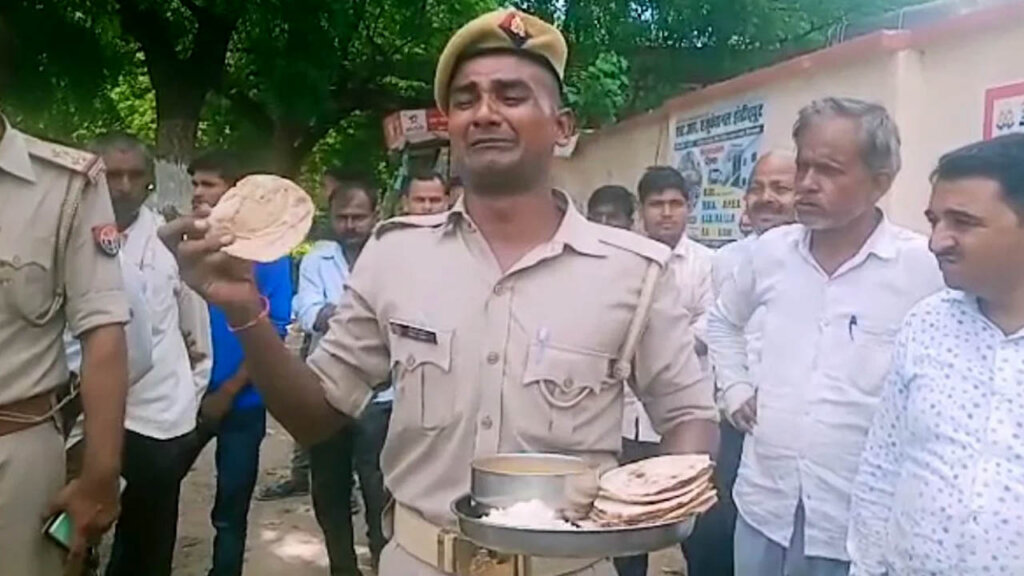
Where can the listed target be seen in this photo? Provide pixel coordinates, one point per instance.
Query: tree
(185, 46)
(305, 66)
(76, 65)
(57, 62)
(671, 46)
(277, 77)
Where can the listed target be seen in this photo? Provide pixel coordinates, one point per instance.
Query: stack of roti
(267, 215)
(655, 491)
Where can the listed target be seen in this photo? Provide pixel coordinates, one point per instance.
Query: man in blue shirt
(322, 278)
(232, 410)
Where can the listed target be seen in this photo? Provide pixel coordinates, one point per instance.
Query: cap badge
(514, 27)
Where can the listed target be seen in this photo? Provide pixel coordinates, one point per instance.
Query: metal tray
(586, 543)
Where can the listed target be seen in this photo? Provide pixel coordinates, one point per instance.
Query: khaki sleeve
(669, 379)
(92, 278)
(353, 356)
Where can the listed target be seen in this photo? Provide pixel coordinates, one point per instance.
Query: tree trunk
(290, 145)
(177, 122)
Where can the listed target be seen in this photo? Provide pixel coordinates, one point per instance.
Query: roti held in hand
(267, 215)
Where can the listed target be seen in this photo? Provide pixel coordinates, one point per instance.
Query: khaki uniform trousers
(31, 475)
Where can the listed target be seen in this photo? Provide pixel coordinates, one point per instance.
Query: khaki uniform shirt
(35, 177)
(487, 362)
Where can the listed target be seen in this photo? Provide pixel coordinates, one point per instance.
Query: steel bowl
(506, 479)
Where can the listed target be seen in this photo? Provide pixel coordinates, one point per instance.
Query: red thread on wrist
(262, 315)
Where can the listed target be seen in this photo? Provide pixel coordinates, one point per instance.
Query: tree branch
(210, 48)
(150, 30)
(252, 110)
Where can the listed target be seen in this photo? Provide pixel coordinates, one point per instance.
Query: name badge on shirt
(413, 332)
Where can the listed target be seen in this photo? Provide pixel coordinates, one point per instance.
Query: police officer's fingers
(74, 565)
(172, 233)
(58, 504)
(194, 250)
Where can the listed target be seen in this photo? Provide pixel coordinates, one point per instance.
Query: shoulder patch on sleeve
(635, 243)
(80, 161)
(107, 239)
(406, 222)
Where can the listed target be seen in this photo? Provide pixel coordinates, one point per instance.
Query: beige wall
(617, 155)
(934, 90)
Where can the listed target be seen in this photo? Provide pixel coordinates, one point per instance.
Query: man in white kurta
(833, 290)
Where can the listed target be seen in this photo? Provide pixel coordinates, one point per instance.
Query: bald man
(769, 201)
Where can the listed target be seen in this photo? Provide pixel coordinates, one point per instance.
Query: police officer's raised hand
(221, 279)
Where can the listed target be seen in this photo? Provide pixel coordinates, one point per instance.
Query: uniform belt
(27, 413)
(451, 553)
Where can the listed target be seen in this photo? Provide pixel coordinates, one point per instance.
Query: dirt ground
(284, 537)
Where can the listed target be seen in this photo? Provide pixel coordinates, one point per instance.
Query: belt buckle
(469, 559)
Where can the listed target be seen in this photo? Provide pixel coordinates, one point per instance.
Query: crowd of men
(868, 378)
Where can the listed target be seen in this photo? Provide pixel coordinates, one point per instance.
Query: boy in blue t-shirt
(232, 410)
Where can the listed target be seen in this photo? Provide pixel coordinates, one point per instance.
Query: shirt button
(493, 358)
(486, 423)
(499, 289)
(410, 361)
(569, 383)
(16, 260)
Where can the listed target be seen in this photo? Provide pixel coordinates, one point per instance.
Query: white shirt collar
(971, 302)
(883, 241)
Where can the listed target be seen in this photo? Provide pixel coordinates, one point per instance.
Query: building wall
(617, 155)
(933, 84)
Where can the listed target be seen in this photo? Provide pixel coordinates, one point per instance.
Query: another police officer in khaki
(502, 319)
(57, 268)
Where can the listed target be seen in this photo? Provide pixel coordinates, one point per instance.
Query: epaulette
(404, 222)
(635, 243)
(80, 161)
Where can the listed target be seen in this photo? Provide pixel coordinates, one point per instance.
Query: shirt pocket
(27, 275)
(872, 357)
(582, 401)
(425, 391)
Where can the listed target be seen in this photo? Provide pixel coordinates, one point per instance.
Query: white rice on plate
(532, 514)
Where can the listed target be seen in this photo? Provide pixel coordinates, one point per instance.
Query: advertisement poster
(415, 127)
(1004, 110)
(716, 152)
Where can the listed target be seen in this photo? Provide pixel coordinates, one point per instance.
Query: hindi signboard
(716, 152)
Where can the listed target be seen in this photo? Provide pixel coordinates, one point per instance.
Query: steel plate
(588, 543)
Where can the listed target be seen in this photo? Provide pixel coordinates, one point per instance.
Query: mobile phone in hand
(59, 528)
